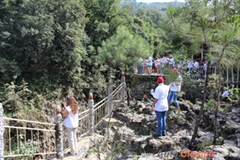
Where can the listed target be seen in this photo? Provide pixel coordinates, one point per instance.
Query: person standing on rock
(160, 106)
(174, 89)
(71, 123)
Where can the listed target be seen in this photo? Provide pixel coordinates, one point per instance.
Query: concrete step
(84, 143)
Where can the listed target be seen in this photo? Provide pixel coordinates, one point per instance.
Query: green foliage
(27, 148)
(170, 75)
(20, 102)
(138, 79)
(123, 50)
(41, 47)
(236, 94)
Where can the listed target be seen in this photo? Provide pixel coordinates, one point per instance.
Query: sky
(149, 1)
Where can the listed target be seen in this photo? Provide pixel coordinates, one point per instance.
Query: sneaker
(156, 135)
(69, 154)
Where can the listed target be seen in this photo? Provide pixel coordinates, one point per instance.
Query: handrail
(100, 121)
(24, 155)
(104, 101)
(83, 112)
(37, 129)
(98, 106)
(47, 127)
(100, 101)
(117, 89)
(21, 120)
(79, 119)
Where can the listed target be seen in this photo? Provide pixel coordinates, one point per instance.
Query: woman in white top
(70, 115)
(174, 89)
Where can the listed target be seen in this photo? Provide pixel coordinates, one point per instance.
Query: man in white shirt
(160, 106)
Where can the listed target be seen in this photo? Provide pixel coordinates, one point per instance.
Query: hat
(175, 69)
(160, 80)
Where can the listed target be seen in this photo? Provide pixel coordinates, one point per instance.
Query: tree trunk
(217, 107)
(201, 109)
(128, 96)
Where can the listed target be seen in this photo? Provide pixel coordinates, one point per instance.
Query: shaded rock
(121, 116)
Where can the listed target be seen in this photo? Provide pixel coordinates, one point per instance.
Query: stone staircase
(84, 143)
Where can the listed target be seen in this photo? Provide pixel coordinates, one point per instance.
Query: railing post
(91, 113)
(59, 133)
(227, 77)
(1, 133)
(110, 98)
(123, 88)
(237, 77)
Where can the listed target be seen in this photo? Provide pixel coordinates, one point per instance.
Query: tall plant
(208, 27)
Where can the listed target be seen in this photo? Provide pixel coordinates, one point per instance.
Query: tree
(123, 50)
(41, 42)
(209, 27)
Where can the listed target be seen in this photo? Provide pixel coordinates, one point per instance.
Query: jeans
(140, 69)
(72, 139)
(202, 74)
(173, 96)
(161, 119)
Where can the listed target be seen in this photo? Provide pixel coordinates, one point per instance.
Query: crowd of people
(156, 66)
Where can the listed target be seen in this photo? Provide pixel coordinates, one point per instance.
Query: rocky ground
(128, 135)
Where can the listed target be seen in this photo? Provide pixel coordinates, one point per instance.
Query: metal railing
(25, 138)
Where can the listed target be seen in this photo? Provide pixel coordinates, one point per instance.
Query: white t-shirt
(226, 93)
(72, 120)
(196, 65)
(171, 61)
(179, 65)
(161, 93)
(165, 60)
(149, 61)
(205, 66)
(176, 85)
(190, 64)
(158, 62)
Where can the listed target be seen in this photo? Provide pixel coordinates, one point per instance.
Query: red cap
(175, 69)
(160, 80)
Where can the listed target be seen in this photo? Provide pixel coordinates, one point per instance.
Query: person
(171, 62)
(189, 65)
(164, 61)
(70, 116)
(149, 63)
(179, 66)
(195, 65)
(160, 106)
(140, 65)
(158, 64)
(225, 95)
(174, 89)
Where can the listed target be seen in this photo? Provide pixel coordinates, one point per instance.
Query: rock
(121, 116)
